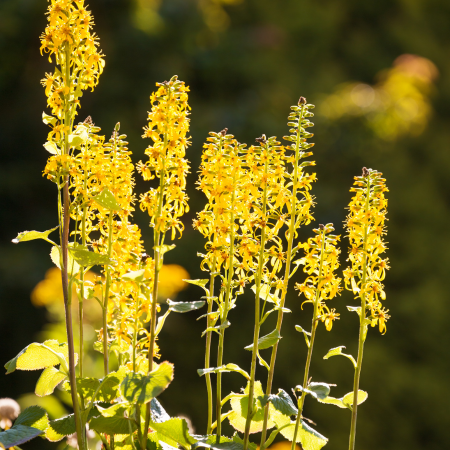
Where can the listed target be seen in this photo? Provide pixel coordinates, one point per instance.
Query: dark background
(246, 62)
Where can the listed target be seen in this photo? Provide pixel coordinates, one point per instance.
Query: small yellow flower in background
(171, 282)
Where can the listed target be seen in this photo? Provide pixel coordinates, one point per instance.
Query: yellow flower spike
(366, 227)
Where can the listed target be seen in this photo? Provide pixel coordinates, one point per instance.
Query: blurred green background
(379, 73)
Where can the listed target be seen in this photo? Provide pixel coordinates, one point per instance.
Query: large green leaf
(39, 356)
(86, 258)
(225, 368)
(59, 428)
(31, 235)
(49, 379)
(107, 200)
(139, 388)
(175, 429)
(338, 351)
(182, 307)
(17, 435)
(309, 438)
(266, 341)
(33, 416)
(112, 425)
(239, 406)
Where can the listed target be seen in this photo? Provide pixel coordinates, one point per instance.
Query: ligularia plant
(257, 198)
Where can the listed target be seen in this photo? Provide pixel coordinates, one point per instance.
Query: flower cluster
(68, 37)
(320, 263)
(366, 227)
(168, 124)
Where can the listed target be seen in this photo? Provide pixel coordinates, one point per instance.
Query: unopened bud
(321, 227)
(302, 101)
(224, 132)
(365, 172)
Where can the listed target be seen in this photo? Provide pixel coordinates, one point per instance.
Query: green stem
(250, 411)
(158, 257)
(362, 331)
(208, 346)
(64, 272)
(301, 401)
(225, 314)
(286, 276)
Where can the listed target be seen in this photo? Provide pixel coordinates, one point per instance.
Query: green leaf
(17, 435)
(86, 258)
(112, 425)
(338, 351)
(237, 440)
(201, 283)
(158, 412)
(137, 275)
(356, 309)
(309, 438)
(59, 428)
(225, 443)
(36, 356)
(49, 379)
(107, 200)
(162, 249)
(52, 148)
(266, 341)
(138, 388)
(31, 235)
(115, 410)
(182, 307)
(49, 120)
(239, 405)
(333, 401)
(225, 368)
(320, 390)
(264, 294)
(282, 402)
(222, 326)
(347, 399)
(305, 333)
(175, 429)
(55, 255)
(33, 416)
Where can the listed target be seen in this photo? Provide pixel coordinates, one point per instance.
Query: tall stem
(64, 272)
(208, 345)
(301, 401)
(286, 276)
(225, 314)
(362, 332)
(257, 314)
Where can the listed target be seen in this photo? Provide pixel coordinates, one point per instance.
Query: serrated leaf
(17, 435)
(112, 425)
(182, 307)
(222, 326)
(347, 399)
(309, 438)
(264, 293)
(107, 200)
(49, 379)
(86, 258)
(338, 351)
(139, 388)
(137, 275)
(59, 428)
(225, 368)
(36, 356)
(175, 429)
(239, 405)
(32, 235)
(266, 341)
(282, 402)
(33, 416)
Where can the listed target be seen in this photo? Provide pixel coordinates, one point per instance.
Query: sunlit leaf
(59, 428)
(182, 307)
(49, 379)
(264, 293)
(107, 200)
(86, 258)
(225, 368)
(347, 399)
(33, 416)
(112, 425)
(309, 438)
(32, 235)
(266, 341)
(338, 351)
(175, 429)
